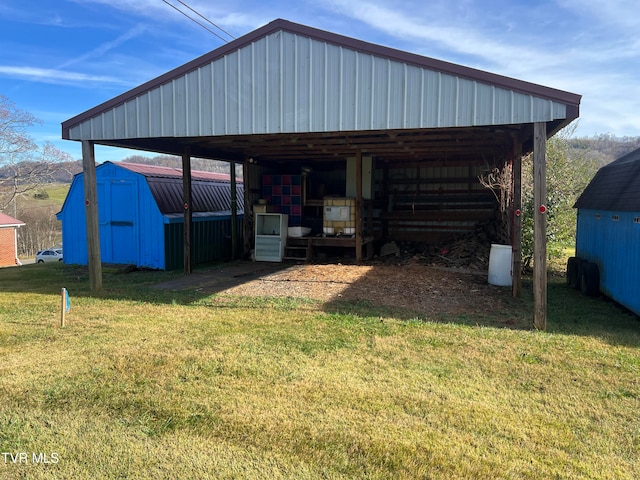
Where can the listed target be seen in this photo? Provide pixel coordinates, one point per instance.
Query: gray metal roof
(616, 187)
(209, 191)
(294, 79)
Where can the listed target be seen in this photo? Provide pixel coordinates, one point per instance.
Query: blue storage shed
(140, 212)
(608, 230)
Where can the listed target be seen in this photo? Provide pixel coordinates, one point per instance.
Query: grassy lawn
(143, 383)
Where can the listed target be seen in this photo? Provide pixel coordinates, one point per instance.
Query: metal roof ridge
(162, 171)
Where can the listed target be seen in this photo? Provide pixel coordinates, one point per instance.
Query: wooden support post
(358, 206)
(234, 210)
(186, 197)
(540, 226)
(94, 261)
(385, 194)
(247, 218)
(516, 232)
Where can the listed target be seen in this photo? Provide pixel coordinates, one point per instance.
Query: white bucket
(500, 264)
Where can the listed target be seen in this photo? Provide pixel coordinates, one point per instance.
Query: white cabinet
(271, 236)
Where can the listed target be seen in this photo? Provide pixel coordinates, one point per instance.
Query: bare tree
(26, 166)
(500, 182)
(41, 230)
(14, 145)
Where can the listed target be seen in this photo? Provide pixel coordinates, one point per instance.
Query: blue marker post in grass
(65, 306)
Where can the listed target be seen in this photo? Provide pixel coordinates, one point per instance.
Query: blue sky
(60, 58)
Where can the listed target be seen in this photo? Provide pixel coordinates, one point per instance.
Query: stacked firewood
(469, 251)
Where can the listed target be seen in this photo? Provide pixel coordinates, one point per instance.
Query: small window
(636, 219)
(615, 218)
(597, 215)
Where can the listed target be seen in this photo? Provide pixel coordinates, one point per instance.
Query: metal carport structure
(291, 93)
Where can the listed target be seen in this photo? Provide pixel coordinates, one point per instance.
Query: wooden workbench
(308, 243)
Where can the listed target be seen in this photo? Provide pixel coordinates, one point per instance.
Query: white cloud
(56, 76)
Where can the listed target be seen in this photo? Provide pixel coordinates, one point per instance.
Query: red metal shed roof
(7, 221)
(170, 172)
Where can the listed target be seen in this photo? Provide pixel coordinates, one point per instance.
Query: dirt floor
(408, 283)
(415, 287)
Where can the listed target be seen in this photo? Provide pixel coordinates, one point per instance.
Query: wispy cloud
(102, 47)
(144, 7)
(105, 47)
(621, 14)
(463, 35)
(158, 10)
(589, 48)
(502, 39)
(57, 76)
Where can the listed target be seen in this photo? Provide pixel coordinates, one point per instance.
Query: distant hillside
(602, 148)
(216, 166)
(64, 171)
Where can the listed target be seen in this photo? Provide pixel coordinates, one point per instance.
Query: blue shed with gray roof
(608, 231)
(140, 210)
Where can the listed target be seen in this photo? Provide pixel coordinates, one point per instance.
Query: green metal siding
(210, 241)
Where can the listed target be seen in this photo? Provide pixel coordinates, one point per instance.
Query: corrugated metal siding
(211, 241)
(206, 196)
(286, 82)
(612, 241)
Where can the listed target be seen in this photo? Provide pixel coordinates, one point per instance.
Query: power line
(196, 21)
(206, 19)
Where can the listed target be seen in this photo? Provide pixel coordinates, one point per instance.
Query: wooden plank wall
(428, 202)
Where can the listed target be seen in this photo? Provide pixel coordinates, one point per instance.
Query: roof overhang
(448, 145)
